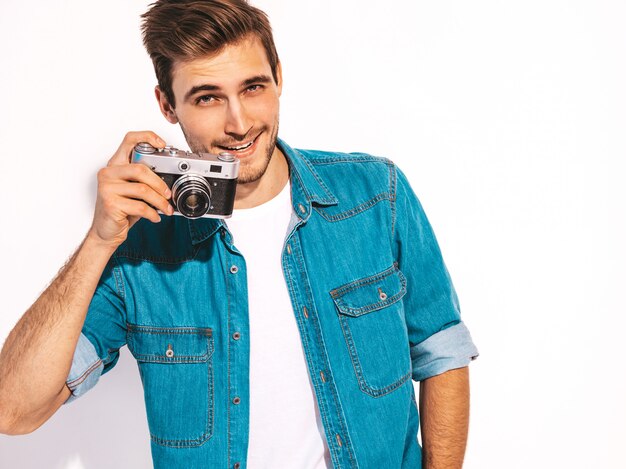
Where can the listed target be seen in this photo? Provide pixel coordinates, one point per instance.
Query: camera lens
(192, 202)
(192, 196)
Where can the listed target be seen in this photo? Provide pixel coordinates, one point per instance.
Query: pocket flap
(170, 344)
(370, 293)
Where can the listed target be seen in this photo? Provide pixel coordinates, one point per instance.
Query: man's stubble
(246, 173)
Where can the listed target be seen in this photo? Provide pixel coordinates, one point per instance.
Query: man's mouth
(240, 148)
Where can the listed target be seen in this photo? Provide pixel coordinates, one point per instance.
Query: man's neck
(267, 187)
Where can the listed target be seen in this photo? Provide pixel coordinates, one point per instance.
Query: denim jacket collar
(307, 187)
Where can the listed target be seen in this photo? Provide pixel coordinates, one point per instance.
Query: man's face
(229, 102)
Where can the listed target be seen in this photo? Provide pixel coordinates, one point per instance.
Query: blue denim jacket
(372, 297)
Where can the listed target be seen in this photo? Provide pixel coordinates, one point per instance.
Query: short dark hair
(184, 30)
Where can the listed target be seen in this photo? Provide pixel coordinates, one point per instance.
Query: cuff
(445, 350)
(86, 369)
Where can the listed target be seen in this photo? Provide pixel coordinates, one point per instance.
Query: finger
(122, 155)
(136, 208)
(134, 172)
(145, 193)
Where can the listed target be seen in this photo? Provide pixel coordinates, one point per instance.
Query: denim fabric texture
(86, 369)
(372, 297)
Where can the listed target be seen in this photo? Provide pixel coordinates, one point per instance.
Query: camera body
(202, 184)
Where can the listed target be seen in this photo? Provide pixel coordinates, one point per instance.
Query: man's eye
(253, 88)
(205, 99)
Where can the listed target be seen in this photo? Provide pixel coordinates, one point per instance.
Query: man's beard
(247, 173)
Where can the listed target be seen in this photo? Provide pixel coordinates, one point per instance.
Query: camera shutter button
(144, 147)
(225, 156)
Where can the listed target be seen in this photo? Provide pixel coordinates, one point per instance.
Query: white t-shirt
(285, 426)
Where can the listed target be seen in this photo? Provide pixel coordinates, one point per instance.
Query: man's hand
(127, 192)
(444, 417)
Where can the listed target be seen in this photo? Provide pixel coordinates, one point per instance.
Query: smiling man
(229, 101)
(285, 336)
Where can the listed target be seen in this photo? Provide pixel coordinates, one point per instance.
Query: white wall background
(509, 119)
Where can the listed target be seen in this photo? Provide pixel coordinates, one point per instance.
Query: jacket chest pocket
(176, 368)
(371, 316)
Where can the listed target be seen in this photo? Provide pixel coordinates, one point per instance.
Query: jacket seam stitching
(356, 364)
(78, 381)
(208, 430)
(228, 366)
(179, 330)
(355, 210)
(324, 410)
(318, 336)
(393, 190)
(348, 287)
(347, 159)
(309, 165)
(119, 280)
(356, 312)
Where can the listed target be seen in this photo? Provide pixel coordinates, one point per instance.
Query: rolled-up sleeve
(86, 369)
(445, 350)
(439, 341)
(102, 335)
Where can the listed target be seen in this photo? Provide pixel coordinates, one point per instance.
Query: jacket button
(236, 400)
(169, 353)
(236, 336)
(234, 269)
(236, 466)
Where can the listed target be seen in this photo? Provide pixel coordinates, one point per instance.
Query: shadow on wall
(105, 428)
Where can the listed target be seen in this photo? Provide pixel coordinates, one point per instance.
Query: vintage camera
(202, 184)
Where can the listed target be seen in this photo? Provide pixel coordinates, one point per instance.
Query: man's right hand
(127, 192)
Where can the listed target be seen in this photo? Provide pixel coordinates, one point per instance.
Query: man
(285, 336)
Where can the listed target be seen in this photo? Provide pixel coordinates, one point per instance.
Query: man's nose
(237, 121)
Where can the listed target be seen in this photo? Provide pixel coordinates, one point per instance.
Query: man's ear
(279, 78)
(167, 110)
